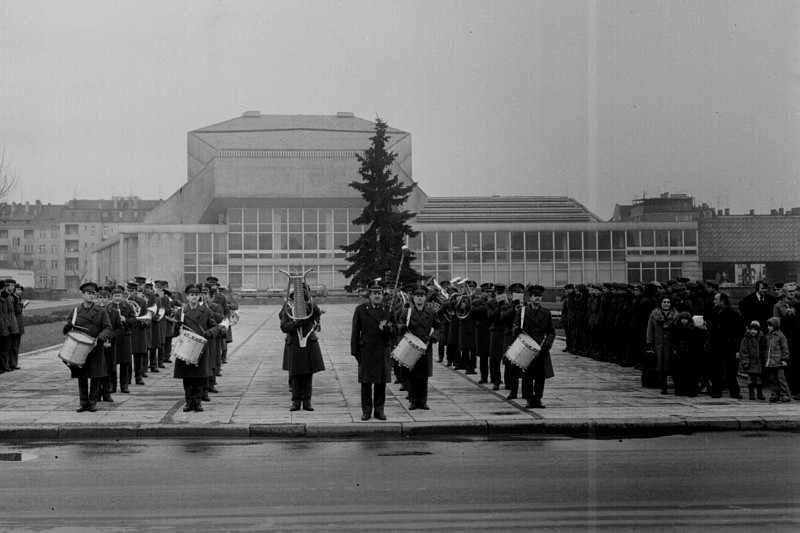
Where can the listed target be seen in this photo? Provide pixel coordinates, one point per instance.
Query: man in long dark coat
(200, 320)
(140, 332)
(92, 320)
(421, 321)
(122, 340)
(538, 324)
(302, 357)
(109, 347)
(371, 345)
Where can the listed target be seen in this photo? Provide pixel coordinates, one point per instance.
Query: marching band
(120, 333)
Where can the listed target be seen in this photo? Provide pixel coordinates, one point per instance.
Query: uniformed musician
(199, 320)
(93, 320)
(537, 322)
(422, 321)
(371, 345)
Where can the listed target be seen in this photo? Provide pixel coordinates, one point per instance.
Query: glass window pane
(203, 259)
(487, 241)
(473, 241)
(675, 238)
(235, 241)
(647, 239)
(502, 240)
(560, 240)
(473, 257)
(203, 242)
(632, 239)
(265, 216)
(265, 241)
(458, 240)
(546, 240)
(603, 240)
(340, 216)
(690, 238)
(575, 240)
(235, 228)
(618, 240)
(310, 241)
(444, 241)
(488, 257)
(662, 239)
(517, 240)
(250, 216)
(220, 259)
(220, 243)
(234, 215)
(190, 242)
(295, 216)
(531, 240)
(250, 241)
(413, 242)
(532, 256)
(428, 241)
(189, 259)
(295, 241)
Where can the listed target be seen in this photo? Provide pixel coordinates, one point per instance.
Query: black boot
(751, 390)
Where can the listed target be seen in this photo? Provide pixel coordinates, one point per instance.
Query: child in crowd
(752, 354)
(777, 359)
(688, 342)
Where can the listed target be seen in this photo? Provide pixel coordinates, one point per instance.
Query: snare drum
(522, 351)
(76, 348)
(409, 350)
(189, 346)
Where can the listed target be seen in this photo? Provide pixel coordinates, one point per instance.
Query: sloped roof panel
(749, 238)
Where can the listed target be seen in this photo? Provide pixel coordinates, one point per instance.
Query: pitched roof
(466, 209)
(254, 121)
(749, 238)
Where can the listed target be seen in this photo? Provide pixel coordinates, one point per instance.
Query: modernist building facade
(268, 191)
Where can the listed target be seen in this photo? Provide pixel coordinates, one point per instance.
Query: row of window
(263, 277)
(546, 274)
(652, 271)
(553, 241)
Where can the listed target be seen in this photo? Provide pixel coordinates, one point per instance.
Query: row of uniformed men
(12, 325)
(608, 321)
(481, 324)
(134, 330)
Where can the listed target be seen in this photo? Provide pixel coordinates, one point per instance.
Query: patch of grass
(41, 336)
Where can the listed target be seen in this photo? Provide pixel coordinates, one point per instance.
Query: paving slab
(586, 398)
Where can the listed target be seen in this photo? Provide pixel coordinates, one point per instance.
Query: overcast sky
(603, 102)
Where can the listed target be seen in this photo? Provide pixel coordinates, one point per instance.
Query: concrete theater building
(268, 191)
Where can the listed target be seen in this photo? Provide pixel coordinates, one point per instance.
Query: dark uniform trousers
(13, 353)
(139, 365)
(5, 350)
(377, 400)
(110, 355)
(302, 385)
(89, 390)
(417, 390)
(193, 390)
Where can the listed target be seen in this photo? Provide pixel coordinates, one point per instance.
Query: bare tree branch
(8, 179)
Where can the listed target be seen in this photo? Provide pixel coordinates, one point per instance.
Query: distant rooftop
(504, 209)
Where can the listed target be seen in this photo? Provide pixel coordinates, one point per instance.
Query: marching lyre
(297, 308)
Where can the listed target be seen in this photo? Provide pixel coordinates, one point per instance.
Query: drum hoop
(81, 337)
(414, 341)
(191, 335)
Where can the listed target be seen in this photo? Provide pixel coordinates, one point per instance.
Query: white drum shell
(409, 350)
(76, 348)
(523, 351)
(188, 347)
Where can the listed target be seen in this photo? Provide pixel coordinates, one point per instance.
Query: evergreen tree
(377, 253)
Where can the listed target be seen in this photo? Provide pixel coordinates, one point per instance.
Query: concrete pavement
(586, 398)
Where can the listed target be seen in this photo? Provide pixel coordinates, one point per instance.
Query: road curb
(577, 428)
(278, 431)
(465, 427)
(41, 350)
(354, 429)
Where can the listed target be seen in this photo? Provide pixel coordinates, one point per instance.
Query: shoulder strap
(74, 316)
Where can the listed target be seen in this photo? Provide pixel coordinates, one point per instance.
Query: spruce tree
(377, 253)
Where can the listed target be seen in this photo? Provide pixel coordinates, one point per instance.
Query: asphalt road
(720, 482)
